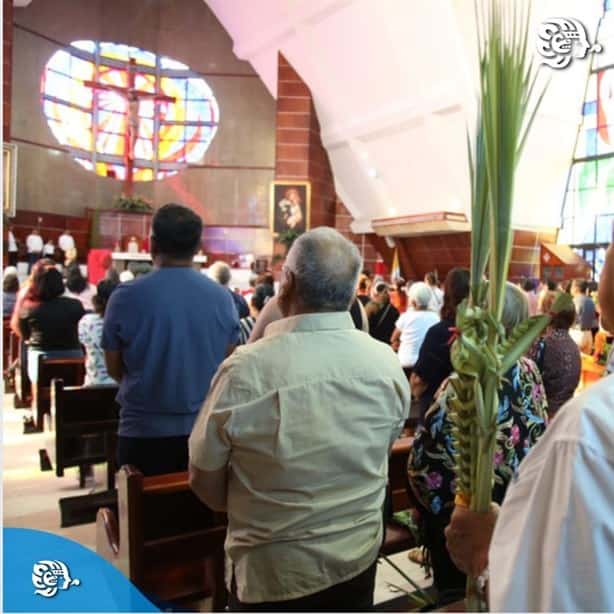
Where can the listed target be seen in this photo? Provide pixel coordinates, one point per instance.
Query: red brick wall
(7, 61)
(446, 251)
(299, 154)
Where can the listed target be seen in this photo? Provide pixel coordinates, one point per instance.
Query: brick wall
(443, 252)
(300, 155)
(7, 61)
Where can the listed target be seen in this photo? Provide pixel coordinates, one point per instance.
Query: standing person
(48, 320)
(78, 287)
(49, 249)
(585, 316)
(13, 248)
(164, 336)
(10, 288)
(521, 420)
(34, 245)
(221, 273)
(557, 356)
(90, 335)
(552, 548)
(382, 314)
(293, 442)
(433, 364)
(412, 326)
(66, 243)
(529, 286)
(436, 302)
(257, 302)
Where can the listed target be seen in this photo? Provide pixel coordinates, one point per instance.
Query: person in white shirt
(49, 249)
(66, 241)
(412, 326)
(34, 245)
(551, 546)
(293, 441)
(436, 302)
(12, 247)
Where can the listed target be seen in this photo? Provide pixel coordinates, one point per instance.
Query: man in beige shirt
(293, 442)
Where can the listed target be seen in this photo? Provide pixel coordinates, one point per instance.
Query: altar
(121, 260)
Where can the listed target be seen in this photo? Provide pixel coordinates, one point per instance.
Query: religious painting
(9, 179)
(127, 113)
(290, 205)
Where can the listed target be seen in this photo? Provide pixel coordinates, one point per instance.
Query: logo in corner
(561, 39)
(49, 577)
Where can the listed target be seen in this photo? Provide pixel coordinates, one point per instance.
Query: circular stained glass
(116, 107)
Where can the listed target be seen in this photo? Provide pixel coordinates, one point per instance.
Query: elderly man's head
(320, 273)
(220, 272)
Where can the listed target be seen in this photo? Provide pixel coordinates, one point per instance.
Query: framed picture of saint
(290, 202)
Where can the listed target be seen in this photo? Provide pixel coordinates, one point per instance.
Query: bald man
(551, 546)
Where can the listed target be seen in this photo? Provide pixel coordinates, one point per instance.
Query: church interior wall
(230, 184)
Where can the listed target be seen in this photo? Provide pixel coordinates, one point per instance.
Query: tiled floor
(30, 499)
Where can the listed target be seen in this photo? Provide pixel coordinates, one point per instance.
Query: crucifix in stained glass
(132, 97)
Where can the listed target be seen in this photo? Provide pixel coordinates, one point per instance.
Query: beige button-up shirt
(304, 419)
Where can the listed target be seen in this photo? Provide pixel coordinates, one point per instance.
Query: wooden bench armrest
(107, 534)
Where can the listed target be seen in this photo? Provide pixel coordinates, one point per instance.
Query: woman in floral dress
(521, 421)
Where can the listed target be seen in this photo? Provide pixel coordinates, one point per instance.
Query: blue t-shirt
(172, 327)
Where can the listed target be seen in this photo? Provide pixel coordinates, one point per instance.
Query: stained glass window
(84, 91)
(588, 210)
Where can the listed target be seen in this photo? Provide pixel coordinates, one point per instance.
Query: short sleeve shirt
(172, 327)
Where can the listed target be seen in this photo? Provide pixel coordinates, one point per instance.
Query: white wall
(394, 85)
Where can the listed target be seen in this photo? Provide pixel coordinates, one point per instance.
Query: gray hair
(420, 294)
(219, 271)
(326, 266)
(515, 307)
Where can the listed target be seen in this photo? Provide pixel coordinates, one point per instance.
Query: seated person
(521, 421)
(412, 326)
(557, 356)
(433, 365)
(90, 335)
(293, 441)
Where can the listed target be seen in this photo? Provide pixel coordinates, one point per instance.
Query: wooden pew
(166, 541)
(398, 538)
(70, 370)
(84, 423)
(23, 389)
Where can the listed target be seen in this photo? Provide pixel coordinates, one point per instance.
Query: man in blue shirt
(164, 336)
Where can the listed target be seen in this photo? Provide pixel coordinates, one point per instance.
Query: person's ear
(287, 290)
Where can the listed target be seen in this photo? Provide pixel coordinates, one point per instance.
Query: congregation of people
(254, 392)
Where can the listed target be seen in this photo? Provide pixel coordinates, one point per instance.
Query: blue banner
(43, 572)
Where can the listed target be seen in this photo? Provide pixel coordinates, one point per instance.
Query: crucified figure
(133, 97)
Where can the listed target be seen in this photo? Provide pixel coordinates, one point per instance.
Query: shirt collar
(311, 322)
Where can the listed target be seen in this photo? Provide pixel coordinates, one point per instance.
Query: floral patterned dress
(90, 334)
(521, 421)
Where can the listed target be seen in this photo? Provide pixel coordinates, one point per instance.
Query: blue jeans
(33, 359)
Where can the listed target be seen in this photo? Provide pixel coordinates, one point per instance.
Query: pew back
(70, 370)
(84, 423)
(166, 541)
